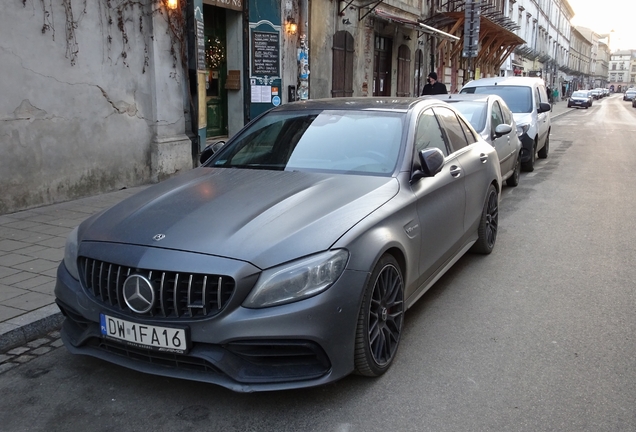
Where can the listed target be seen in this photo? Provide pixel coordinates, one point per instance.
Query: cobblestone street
(26, 353)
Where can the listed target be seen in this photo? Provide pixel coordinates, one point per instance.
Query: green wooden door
(216, 70)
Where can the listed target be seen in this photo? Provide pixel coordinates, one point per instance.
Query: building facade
(92, 100)
(545, 28)
(622, 70)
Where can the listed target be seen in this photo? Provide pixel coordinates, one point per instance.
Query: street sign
(472, 13)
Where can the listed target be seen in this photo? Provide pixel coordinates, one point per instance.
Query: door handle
(483, 158)
(455, 171)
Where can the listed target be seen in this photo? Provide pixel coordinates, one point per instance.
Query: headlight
(297, 280)
(522, 128)
(70, 254)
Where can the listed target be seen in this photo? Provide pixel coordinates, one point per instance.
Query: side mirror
(209, 150)
(431, 161)
(544, 107)
(502, 129)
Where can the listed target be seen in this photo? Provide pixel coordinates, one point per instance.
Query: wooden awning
(496, 43)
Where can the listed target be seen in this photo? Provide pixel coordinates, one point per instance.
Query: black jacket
(437, 88)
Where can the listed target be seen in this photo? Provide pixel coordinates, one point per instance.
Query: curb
(24, 328)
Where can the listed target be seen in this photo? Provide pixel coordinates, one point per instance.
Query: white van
(527, 99)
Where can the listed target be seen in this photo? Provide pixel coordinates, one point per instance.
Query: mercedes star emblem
(139, 294)
(159, 237)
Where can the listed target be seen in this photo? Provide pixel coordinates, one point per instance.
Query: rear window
(518, 98)
(474, 112)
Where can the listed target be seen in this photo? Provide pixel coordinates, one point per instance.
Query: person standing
(433, 87)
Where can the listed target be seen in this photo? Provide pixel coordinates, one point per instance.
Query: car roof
(399, 104)
(479, 97)
(508, 81)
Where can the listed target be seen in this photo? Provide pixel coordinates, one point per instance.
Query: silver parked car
(629, 94)
(528, 100)
(289, 258)
(492, 119)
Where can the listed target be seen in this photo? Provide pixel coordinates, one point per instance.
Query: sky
(602, 16)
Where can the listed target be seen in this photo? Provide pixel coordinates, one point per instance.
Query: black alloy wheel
(381, 319)
(513, 180)
(489, 223)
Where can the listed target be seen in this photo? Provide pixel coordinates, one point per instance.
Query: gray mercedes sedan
(290, 256)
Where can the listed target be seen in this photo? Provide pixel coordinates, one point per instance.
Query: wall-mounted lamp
(290, 26)
(172, 4)
(346, 21)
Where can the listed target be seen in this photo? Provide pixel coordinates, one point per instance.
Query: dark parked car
(289, 258)
(579, 99)
(491, 118)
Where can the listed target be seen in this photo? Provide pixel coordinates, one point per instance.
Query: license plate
(165, 339)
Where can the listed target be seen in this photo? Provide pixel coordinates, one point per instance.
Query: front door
(382, 67)
(216, 71)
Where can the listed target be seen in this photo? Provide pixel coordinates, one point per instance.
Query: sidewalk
(32, 247)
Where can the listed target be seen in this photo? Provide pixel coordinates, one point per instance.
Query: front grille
(177, 295)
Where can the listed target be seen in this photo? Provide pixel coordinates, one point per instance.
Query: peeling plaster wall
(68, 131)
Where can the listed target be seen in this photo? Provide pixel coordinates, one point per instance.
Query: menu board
(265, 54)
(200, 46)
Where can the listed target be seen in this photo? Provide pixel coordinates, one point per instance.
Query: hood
(262, 217)
(522, 118)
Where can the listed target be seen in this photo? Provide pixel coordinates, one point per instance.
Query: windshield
(579, 94)
(344, 141)
(474, 112)
(518, 98)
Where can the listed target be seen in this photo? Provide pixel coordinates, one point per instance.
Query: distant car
(493, 120)
(629, 95)
(527, 99)
(579, 99)
(597, 93)
(290, 256)
(606, 92)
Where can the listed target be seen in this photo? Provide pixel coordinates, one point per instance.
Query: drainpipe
(303, 51)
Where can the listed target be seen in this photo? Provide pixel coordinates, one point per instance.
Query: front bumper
(302, 344)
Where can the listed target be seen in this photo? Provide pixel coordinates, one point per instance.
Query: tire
(488, 224)
(543, 153)
(380, 320)
(513, 180)
(529, 166)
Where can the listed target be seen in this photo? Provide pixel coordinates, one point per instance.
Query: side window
(538, 98)
(496, 117)
(470, 136)
(453, 129)
(507, 115)
(429, 133)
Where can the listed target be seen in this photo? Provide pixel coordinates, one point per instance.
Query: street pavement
(31, 249)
